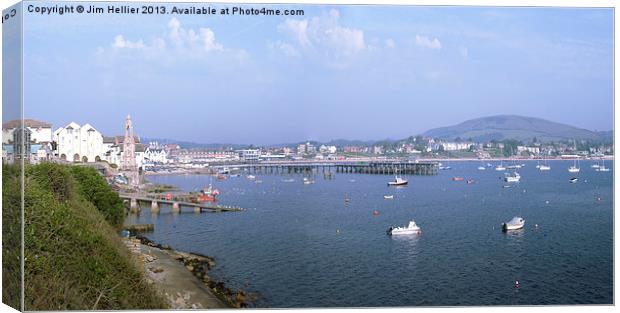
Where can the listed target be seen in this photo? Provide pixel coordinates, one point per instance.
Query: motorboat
(544, 167)
(398, 181)
(515, 223)
(471, 181)
(251, 177)
(573, 180)
(481, 168)
(388, 197)
(412, 228)
(512, 178)
(307, 181)
(457, 178)
(500, 167)
(288, 180)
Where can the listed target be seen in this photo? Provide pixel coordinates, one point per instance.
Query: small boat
(574, 168)
(351, 180)
(596, 165)
(500, 167)
(602, 168)
(307, 181)
(412, 228)
(470, 181)
(457, 178)
(512, 178)
(258, 181)
(251, 177)
(208, 194)
(375, 212)
(573, 180)
(506, 186)
(388, 197)
(543, 167)
(398, 181)
(515, 223)
(481, 168)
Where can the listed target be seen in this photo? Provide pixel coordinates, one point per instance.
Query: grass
(74, 259)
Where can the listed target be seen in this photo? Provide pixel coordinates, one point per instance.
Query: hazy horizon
(338, 72)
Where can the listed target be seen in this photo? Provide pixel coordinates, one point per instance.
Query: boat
(574, 168)
(251, 177)
(500, 167)
(388, 197)
(288, 180)
(595, 165)
(602, 168)
(258, 181)
(445, 168)
(457, 178)
(481, 168)
(398, 181)
(307, 181)
(573, 180)
(412, 228)
(515, 223)
(544, 167)
(208, 194)
(506, 186)
(512, 178)
(470, 181)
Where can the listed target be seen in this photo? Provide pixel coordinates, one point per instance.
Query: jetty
(176, 203)
(384, 168)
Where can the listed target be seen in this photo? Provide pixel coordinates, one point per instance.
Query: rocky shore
(197, 292)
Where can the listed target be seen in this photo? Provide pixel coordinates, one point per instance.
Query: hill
(522, 128)
(74, 259)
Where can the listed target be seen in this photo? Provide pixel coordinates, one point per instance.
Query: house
(79, 143)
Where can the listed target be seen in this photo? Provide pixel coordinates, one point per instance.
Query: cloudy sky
(352, 72)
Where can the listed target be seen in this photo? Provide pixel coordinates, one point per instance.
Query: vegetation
(11, 236)
(73, 257)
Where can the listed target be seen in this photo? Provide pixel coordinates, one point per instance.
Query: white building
(249, 155)
(79, 143)
(113, 150)
(40, 132)
(156, 155)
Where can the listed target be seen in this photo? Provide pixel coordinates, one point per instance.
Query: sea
(302, 245)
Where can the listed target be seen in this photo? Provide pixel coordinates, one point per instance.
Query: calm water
(287, 247)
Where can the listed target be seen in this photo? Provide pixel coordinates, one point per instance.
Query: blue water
(302, 246)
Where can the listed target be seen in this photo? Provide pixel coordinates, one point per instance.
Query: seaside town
(75, 143)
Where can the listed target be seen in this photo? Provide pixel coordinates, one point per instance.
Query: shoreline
(182, 277)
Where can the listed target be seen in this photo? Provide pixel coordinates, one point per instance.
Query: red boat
(208, 195)
(457, 178)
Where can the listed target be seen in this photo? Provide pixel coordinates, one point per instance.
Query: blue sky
(353, 72)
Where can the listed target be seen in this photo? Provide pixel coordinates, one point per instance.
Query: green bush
(74, 259)
(94, 188)
(11, 235)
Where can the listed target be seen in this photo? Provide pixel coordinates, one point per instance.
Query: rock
(156, 269)
(190, 268)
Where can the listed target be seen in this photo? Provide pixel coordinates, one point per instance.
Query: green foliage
(73, 257)
(11, 235)
(94, 188)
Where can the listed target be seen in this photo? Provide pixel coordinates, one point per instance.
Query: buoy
(375, 212)
(517, 284)
(598, 199)
(536, 225)
(547, 202)
(337, 231)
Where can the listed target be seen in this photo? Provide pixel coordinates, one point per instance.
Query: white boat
(398, 181)
(500, 167)
(481, 168)
(288, 180)
(512, 178)
(574, 168)
(388, 197)
(596, 165)
(251, 177)
(573, 180)
(543, 167)
(412, 228)
(515, 223)
(602, 168)
(308, 181)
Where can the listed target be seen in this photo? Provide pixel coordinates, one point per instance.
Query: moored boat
(512, 178)
(398, 181)
(514, 224)
(388, 197)
(412, 228)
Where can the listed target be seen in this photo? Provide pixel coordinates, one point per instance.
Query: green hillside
(522, 128)
(74, 258)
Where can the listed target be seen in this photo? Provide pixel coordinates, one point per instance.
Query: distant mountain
(522, 128)
(192, 145)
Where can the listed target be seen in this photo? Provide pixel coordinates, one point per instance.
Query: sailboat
(544, 167)
(574, 168)
(602, 168)
(500, 167)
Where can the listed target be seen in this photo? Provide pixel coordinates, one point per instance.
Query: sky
(337, 72)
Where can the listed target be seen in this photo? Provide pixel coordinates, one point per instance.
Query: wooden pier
(156, 200)
(381, 168)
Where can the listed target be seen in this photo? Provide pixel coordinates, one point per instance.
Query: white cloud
(324, 35)
(389, 43)
(287, 49)
(426, 42)
(120, 42)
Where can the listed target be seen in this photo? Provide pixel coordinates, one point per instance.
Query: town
(84, 144)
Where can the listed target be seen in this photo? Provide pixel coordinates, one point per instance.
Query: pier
(156, 200)
(381, 168)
